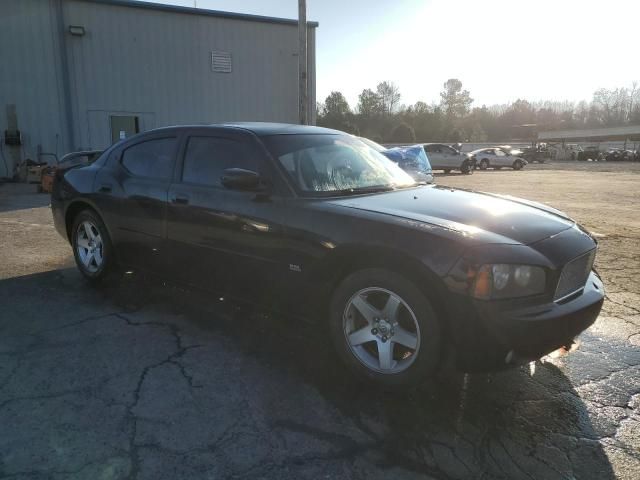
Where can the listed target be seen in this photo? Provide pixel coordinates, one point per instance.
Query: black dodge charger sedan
(315, 221)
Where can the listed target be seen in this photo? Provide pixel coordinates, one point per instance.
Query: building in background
(81, 74)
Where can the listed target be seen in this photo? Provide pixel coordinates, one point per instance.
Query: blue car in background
(412, 160)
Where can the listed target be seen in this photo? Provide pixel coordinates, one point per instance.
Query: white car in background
(498, 157)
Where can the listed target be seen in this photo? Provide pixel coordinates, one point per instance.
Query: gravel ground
(143, 380)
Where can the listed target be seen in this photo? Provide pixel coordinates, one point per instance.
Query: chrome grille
(574, 275)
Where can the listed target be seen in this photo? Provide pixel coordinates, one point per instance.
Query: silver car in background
(498, 157)
(444, 157)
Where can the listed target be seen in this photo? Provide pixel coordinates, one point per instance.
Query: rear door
(488, 155)
(228, 241)
(142, 176)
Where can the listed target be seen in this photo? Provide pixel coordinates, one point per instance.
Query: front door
(501, 159)
(454, 160)
(228, 241)
(436, 156)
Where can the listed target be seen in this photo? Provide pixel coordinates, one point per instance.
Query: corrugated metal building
(79, 74)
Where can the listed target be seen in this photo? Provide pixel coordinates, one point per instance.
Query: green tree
(389, 95)
(403, 133)
(455, 101)
(336, 106)
(369, 103)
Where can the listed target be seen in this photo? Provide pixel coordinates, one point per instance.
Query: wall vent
(221, 62)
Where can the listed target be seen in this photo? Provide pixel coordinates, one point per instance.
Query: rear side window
(151, 159)
(207, 157)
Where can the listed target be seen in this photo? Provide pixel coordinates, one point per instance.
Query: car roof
(261, 128)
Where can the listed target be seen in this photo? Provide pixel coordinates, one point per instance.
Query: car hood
(483, 217)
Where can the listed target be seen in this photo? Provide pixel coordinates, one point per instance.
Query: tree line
(380, 116)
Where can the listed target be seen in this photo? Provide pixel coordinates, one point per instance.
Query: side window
(151, 159)
(500, 153)
(433, 148)
(207, 157)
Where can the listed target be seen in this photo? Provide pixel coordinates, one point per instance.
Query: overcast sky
(501, 50)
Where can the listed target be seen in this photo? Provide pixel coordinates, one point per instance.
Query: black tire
(466, 168)
(107, 266)
(517, 165)
(427, 356)
(484, 164)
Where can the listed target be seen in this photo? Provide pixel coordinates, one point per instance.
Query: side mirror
(241, 179)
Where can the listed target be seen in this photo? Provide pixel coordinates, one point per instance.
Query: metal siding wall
(30, 77)
(159, 64)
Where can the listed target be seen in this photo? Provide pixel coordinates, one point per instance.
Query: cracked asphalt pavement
(150, 381)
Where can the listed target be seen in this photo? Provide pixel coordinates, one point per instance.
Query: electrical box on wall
(12, 137)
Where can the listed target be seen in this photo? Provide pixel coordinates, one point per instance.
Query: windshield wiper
(374, 189)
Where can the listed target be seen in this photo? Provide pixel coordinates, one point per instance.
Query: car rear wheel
(385, 329)
(517, 165)
(92, 247)
(484, 164)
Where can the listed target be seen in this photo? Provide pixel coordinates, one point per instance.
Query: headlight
(503, 280)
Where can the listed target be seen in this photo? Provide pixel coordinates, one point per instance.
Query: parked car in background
(313, 220)
(444, 157)
(498, 157)
(412, 160)
(590, 153)
(539, 153)
(620, 155)
(70, 160)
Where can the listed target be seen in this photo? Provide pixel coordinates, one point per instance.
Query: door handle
(105, 188)
(180, 199)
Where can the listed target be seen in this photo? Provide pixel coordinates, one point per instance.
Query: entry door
(224, 240)
(123, 126)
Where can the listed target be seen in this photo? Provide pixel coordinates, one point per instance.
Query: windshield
(335, 163)
(410, 158)
(376, 146)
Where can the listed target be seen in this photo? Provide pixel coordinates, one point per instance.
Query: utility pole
(302, 60)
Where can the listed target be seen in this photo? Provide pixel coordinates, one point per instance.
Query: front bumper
(492, 335)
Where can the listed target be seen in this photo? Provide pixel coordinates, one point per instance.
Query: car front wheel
(385, 329)
(466, 168)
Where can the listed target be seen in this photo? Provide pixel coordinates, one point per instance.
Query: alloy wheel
(89, 246)
(381, 330)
